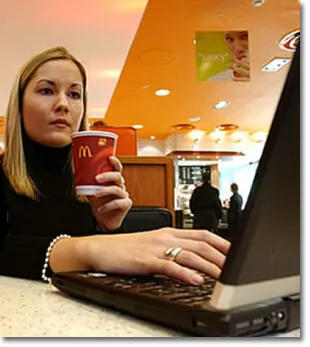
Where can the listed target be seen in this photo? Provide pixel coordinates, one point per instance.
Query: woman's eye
(75, 95)
(244, 37)
(229, 39)
(46, 91)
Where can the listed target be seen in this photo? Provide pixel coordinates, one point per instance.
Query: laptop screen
(267, 243)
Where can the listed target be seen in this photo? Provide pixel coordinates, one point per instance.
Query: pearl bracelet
(47, 256)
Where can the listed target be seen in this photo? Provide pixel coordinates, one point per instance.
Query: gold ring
(172, 252)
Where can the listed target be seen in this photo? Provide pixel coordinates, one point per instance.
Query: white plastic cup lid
(94, 133)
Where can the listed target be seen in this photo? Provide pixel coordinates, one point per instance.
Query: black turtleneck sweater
(28, 226)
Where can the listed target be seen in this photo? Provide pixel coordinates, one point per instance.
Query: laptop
(258, 292)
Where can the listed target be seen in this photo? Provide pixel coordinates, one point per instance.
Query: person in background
(205, 205)
(235, 207)
(45, 227)
(99, 123)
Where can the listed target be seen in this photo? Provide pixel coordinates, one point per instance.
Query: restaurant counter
(35, 309)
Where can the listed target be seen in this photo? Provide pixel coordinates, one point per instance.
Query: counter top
(36, 309)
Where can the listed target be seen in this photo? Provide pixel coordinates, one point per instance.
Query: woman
(235, 209)
(44, 227)
(238, 44)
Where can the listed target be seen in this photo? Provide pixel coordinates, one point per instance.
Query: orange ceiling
(162, 55)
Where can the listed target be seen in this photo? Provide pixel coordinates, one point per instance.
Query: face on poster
(223, 56)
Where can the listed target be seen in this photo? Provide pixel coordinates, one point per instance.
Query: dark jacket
(234, 212)
(206, 207)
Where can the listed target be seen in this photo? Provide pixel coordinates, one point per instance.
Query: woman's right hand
(143, 253)
(241, 70)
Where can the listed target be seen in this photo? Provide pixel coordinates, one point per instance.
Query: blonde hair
(14, 164)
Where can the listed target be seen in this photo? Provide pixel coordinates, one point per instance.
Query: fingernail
(197, 279)
(100, 209)
(98, 178)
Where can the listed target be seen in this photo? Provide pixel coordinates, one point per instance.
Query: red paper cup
(91, 151)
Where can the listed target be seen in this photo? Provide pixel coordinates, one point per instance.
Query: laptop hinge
(227, 296)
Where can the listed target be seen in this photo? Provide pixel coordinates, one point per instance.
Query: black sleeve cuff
(24, 257)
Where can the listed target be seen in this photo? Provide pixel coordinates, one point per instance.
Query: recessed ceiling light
(137, 126)
(196, 135)
(275, 64)
(194, 42)
(217, 136)
(183, 128)
(198, 157)
(238, 136)
(258, 3)
(162, 92)
(221, 104)
(152, 137)
(259, 136)
(227, 127)
(194, 119)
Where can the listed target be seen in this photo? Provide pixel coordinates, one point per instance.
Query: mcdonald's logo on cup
(84, 151)
(91, 151)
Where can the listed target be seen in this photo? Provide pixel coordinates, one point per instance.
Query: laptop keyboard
(160, 287)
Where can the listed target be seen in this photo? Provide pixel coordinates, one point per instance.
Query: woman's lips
(60, 125)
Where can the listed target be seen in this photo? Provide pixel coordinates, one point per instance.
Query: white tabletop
(34, 309)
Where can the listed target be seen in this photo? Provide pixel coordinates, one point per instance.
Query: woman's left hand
(111, 203)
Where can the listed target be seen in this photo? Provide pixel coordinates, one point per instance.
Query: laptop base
(273, 316)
